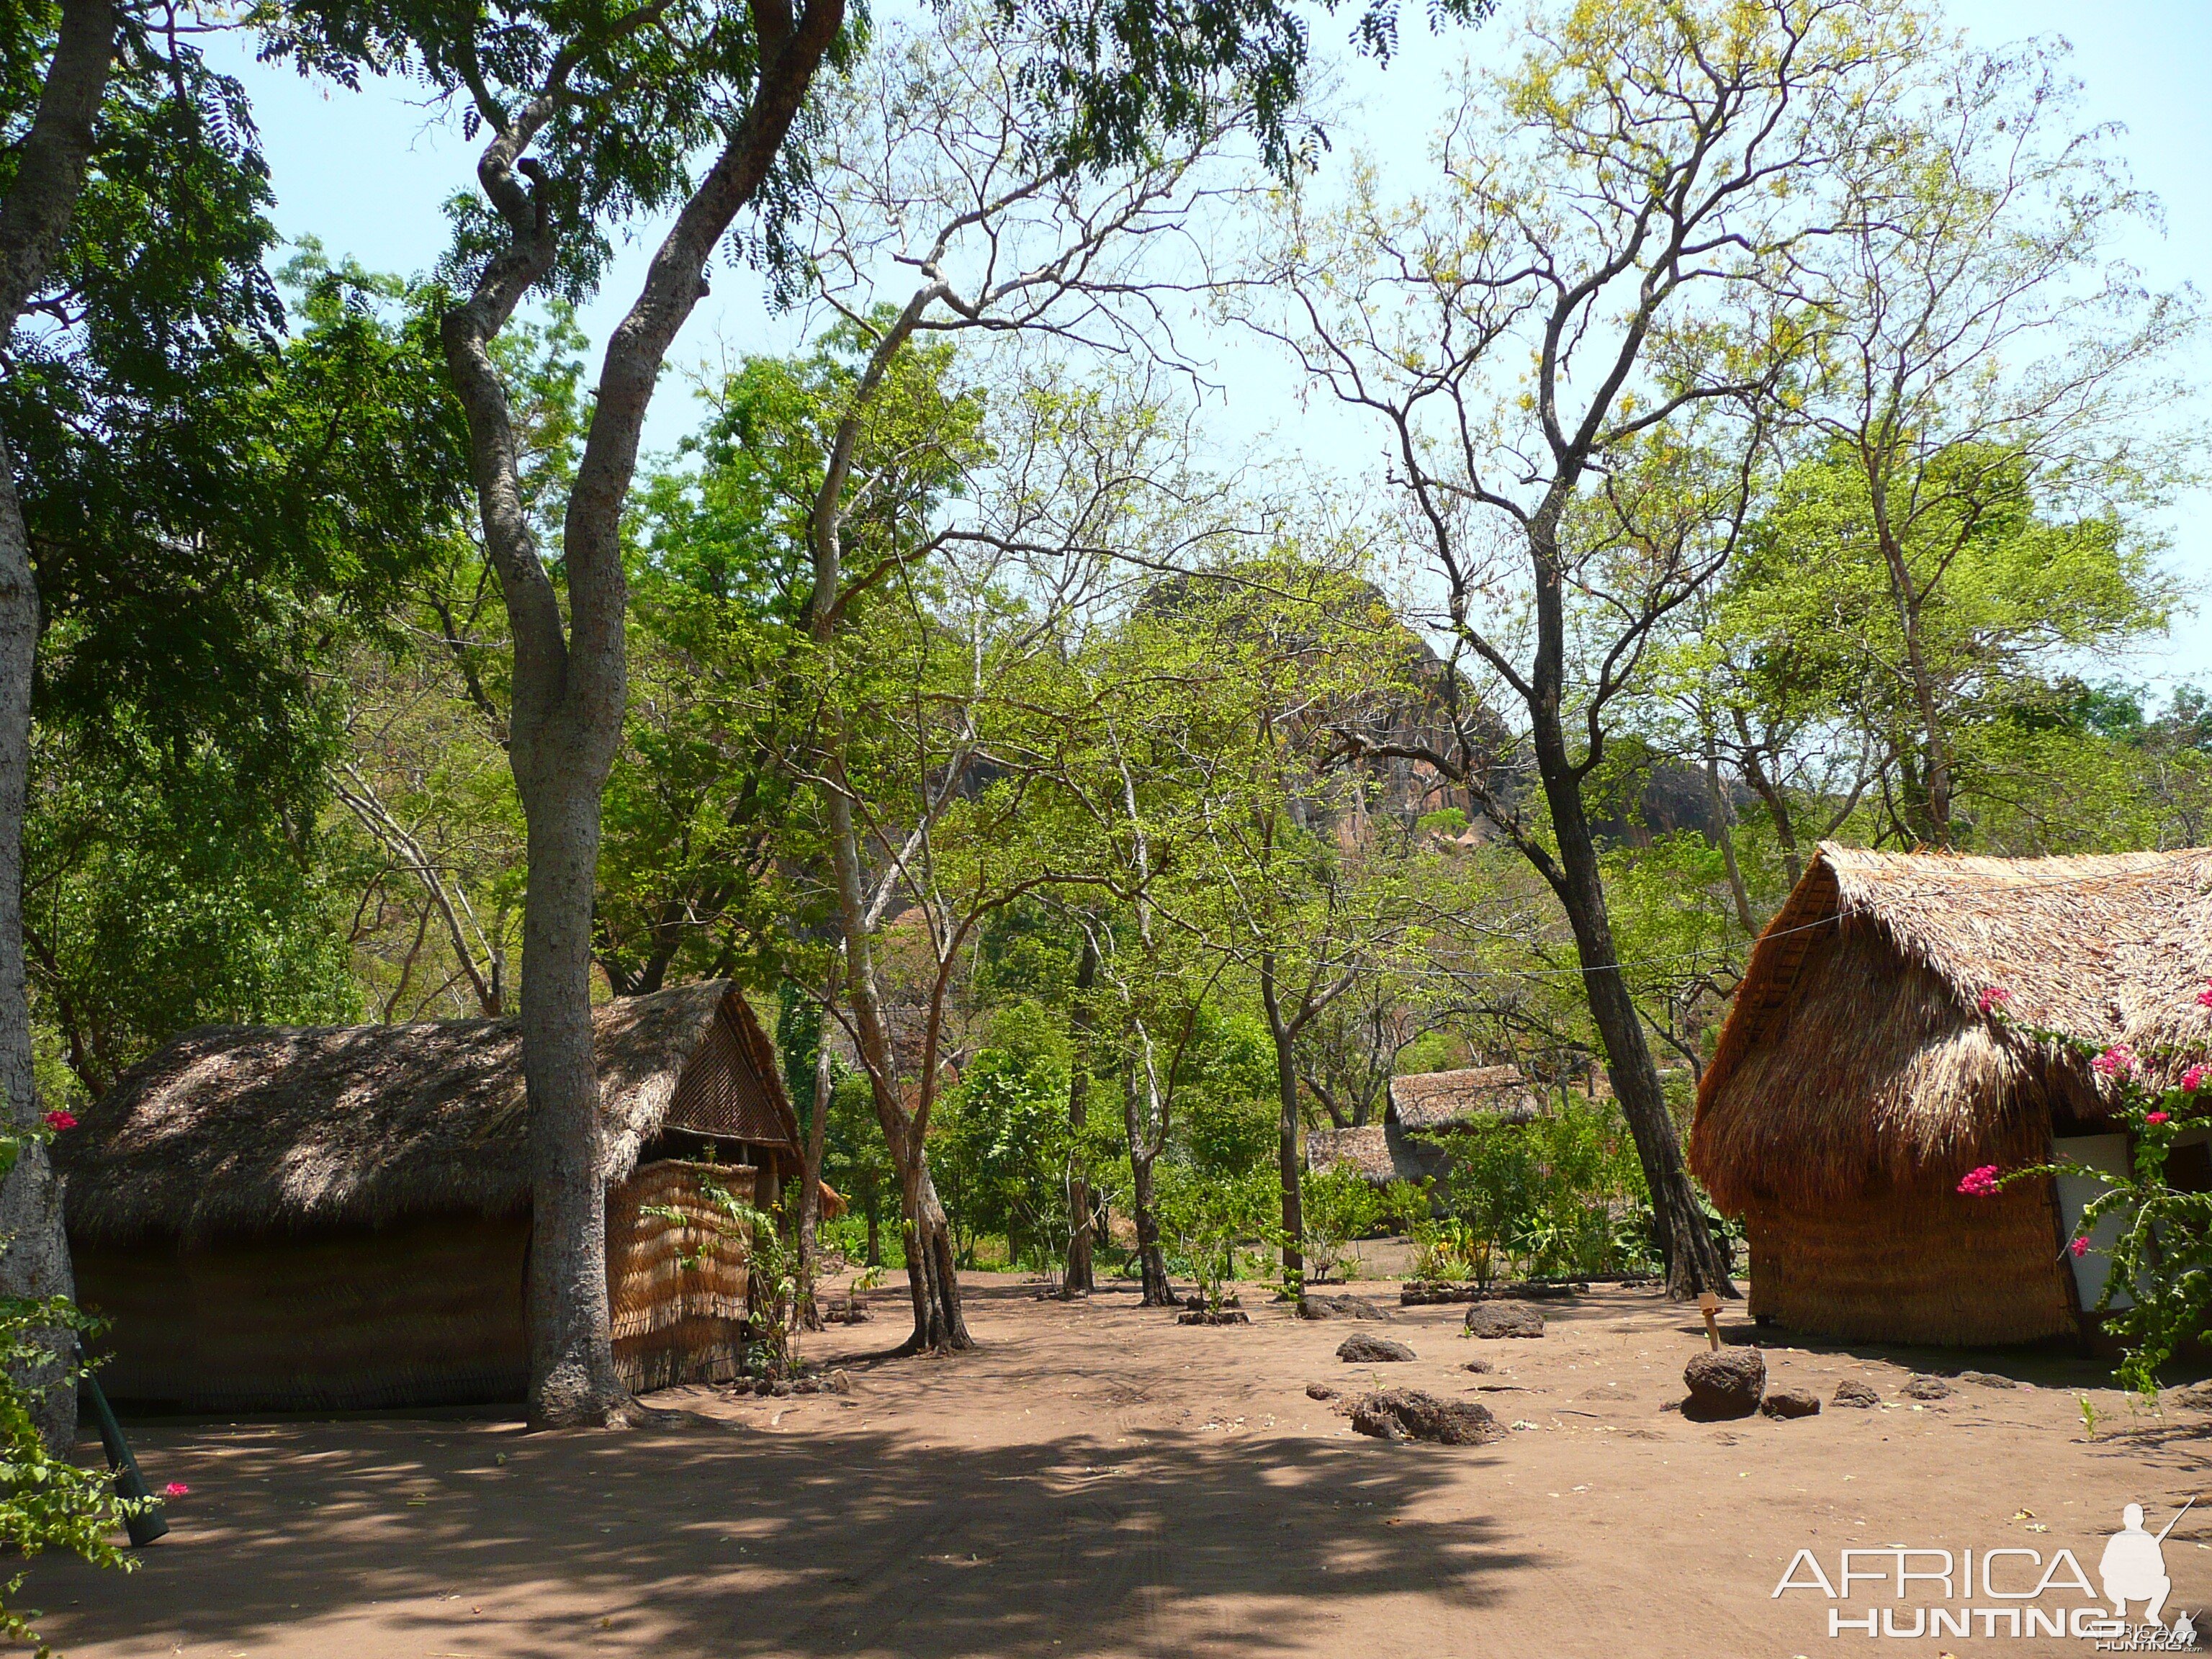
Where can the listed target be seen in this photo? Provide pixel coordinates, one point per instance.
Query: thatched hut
(1858, 1079)
(324, 1217)
(1424, 1110)
(1441, 1103)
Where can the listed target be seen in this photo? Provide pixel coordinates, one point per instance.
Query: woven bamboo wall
(1914, 1265)
(676, 1290)
(350, 1319)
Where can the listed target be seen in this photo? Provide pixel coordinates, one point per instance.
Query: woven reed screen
(660, 1272)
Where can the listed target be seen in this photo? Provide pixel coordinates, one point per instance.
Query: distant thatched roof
(244, 1128)
(1462, 1099)
(1364, 1150)
(1855, 1052)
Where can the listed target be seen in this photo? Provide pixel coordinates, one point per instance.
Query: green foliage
(216, 511)
(46, 1503)
(1339, 1205)
(1001, 1143)
(1563, 1195)
(1206, 1217)
(2159, 1244)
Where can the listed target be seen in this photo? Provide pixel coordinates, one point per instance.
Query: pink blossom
(2118, 1060)
(2192, 1079)
(2204, 996)
(61, 1119)
(1995, 998)
(176, 1489)
(2079, 1247)
(1979, 1184)
(2155, 1117)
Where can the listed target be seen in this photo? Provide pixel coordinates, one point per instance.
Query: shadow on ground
(720, 1538)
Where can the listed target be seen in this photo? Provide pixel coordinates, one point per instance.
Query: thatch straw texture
(1462, 1099)
(1365, 1152)
(236, 1129)
(1855, 1055)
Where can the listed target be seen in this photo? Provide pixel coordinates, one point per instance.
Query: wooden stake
(1709, 1306)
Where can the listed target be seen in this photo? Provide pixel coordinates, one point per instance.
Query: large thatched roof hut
(339, 1217)
(1858, 1079)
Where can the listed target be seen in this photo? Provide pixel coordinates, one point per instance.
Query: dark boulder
(1790, 1402)
(1410, 1414)
(1724, 1383)
(1852, 1392)
(1361, 1349)
(1501, 1319)
(1925, 1388)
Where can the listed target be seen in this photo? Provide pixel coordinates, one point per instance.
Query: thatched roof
(1856, 1052)
(1462, 1099)
(1364, 1151)
(248, 1128)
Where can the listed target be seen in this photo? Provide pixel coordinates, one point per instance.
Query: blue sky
(365, 173)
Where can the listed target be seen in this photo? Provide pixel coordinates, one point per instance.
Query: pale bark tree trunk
(34, 220)
(1286, 1139)
(1145, 1140)
(1724, 833)
(571, 675)
(810, 1192)
(1079, 1276)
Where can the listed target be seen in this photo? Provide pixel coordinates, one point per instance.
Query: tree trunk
(1286, 1141)
(933, 1280)
(1152, 1260)
(1724, 817)
(809, 1191)
(875, 1237)
(572, 1370)
(36, 1262)
(1079, 1276)
(51, 161)
(1694, 1261)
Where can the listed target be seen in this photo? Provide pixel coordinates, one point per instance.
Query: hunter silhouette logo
(2133, 1565)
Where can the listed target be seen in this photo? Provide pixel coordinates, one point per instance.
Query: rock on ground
(1724, 1383)
(1362, 1349)
(1987, 1379)
(1925, 1388)
(1319, 1391)
(2198, 1397)
(1341, 1307)
(1410, 1414)
(1500, 1319)
(1227, 1316)
(1852, 1392)
(1479, 1367)
(1790, 1402)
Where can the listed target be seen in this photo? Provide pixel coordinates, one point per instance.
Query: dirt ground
(1096, 1481)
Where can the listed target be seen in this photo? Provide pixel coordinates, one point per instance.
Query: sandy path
(1097, 1480)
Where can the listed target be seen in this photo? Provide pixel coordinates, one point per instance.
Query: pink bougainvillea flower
(1979, 1184)
(2155, 1117)
(2204, 996)
(2079, 1247)
(61, 1120)
(1996, 996)
(176, 1489)
(2118, 1060)
(2192, 1079)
